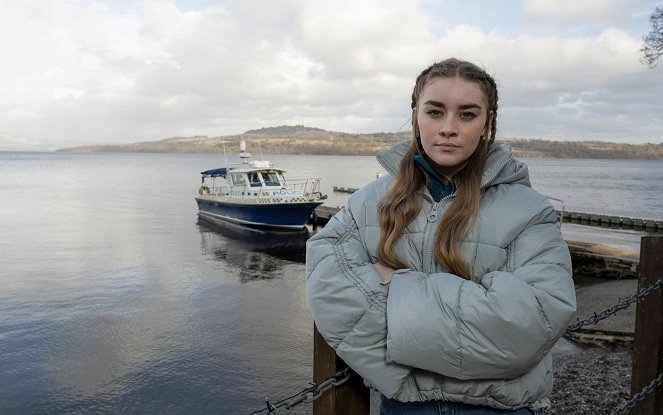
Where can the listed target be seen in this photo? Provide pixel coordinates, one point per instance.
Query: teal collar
(437, 187)
(421, 161)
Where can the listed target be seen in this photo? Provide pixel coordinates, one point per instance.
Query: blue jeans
(394, 407)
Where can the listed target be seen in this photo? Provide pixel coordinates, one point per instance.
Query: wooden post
(351, 398)
(648, 347)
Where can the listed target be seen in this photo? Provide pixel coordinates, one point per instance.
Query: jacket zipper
(434, 215)
(428, 249)
(431, 226)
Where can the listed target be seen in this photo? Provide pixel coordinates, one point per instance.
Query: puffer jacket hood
(501, 167)
(429, 334)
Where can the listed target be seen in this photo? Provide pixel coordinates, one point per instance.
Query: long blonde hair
(402, 202)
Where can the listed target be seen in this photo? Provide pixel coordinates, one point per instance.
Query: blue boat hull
(280, 215)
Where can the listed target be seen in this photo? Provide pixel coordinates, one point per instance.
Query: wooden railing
(648, 346)
(353, 398)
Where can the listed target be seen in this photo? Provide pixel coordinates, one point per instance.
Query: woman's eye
(467, 116)
(435, 113)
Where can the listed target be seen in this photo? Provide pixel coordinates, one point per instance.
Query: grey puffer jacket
(430, 334)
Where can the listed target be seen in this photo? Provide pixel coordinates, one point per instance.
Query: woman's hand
(385, 271)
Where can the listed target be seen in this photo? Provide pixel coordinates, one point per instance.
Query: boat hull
(276, 215)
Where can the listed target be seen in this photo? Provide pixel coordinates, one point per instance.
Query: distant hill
(299, 139)
(585, 149)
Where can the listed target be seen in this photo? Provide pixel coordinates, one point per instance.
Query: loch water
(116, 299)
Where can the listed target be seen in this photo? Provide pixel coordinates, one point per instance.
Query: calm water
(115, 299)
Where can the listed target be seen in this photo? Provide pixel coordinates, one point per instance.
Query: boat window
(254, 180)
(272, 178)
(239, 179)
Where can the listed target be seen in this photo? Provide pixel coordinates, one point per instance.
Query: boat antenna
(225, 156)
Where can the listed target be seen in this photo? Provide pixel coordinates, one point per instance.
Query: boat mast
(243, 154)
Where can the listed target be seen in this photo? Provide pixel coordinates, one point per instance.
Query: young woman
(445, 284)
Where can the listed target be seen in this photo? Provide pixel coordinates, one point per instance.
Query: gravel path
(593, 381)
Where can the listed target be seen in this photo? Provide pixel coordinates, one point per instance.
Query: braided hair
(402, 202)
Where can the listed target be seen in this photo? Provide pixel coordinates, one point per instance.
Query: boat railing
(213, 190)
(310, 186)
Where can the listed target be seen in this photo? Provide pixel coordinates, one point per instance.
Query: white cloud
(569, 12)
(354, 38)
(78, 70)
(549, 85)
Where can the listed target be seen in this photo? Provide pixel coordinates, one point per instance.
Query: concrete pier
(609, 221)
(590, 219)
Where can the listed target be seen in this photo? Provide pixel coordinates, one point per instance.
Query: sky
(78, 72)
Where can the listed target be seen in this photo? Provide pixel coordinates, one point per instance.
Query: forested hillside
(307, 140)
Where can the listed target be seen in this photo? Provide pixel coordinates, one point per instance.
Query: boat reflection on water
(258, 253)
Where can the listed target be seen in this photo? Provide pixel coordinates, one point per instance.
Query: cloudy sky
(88, 72)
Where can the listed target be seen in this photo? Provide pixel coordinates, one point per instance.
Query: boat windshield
(254, 180)
(238, 179)
(272, 178)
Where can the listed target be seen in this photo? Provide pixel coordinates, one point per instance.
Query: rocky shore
(591, 381)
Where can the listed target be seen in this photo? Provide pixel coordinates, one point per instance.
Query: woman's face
(451, 116)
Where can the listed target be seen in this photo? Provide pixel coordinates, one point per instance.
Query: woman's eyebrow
(462, 107)
(468, 106)
(434, 103)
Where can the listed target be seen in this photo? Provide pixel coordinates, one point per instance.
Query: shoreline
(593, 381)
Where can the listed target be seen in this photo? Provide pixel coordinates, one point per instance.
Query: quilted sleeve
(347, 299)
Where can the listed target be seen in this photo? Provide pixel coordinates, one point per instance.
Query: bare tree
(653, 48)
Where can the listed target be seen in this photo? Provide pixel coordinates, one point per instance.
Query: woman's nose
(448, 128)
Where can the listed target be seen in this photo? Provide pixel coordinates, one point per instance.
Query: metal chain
(639, 295)
(638, 396)
(309, 394)
(624, 303)
(315, 391)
